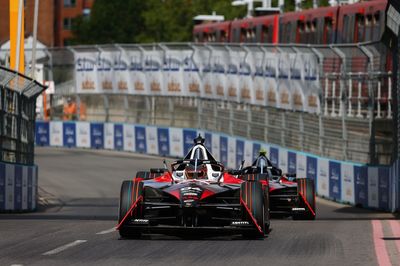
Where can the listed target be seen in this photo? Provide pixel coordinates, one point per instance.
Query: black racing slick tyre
(253, 199)
(306, 191)
(130, 193)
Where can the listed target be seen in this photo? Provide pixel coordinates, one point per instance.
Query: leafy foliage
(138, 21)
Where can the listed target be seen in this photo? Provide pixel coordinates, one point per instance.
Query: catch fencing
(18, 174)
(334, 101)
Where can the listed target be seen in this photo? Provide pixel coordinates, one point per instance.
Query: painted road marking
(395, 225)
(62, 248)
(106, 231)
(380, 247)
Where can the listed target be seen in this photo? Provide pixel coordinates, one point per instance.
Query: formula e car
(195, 196)
(289, 196)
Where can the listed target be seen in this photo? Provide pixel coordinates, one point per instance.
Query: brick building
(55, 19)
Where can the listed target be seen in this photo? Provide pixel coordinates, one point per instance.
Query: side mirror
(157, 170)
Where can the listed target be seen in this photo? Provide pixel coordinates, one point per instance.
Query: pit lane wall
(18, 187)
(355, 184)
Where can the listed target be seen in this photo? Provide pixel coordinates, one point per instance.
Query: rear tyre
(252, 195)
(267, 215)
(130, 192)
(306, 190)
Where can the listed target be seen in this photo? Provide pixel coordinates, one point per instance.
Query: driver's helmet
(199, 172)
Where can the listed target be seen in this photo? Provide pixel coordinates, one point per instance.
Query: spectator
(69, 112)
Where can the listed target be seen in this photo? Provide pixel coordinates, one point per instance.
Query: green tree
(138, 21)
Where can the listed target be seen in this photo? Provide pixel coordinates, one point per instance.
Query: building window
(86, 12)
(68, 23)
(69, 3)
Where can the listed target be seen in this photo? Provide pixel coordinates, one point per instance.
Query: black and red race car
(195, 196)
(289, 196)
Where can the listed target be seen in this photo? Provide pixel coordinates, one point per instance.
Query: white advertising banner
(176, 142)
(312, 85)
(129, 137)
(233, 75)
(173, 73)
(201, 61)
(373, 189)
(347, 183)
(246, 84)
(215, 146)
(152, 140)
(285, 95)
(231, 152)
(255, 60)
(105, 71)
(121, 73)
(248, 153)
(56, 133)
(191, 77)
(138, 78)
(109, 136)
(283, 160)
(153, 70)
(219, 64)
(301, 165)
(83, 134)
(86, 72)
(270, 82)
(323, 178)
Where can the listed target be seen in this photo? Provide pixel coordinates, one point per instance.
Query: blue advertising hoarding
(163, 141)
(188, 137)
(118, 137)
(223, 146)
(274, 156)
(361, 185)
(256, 150)
(383, 187)
(18, 188)
(2, 186)
(292, 162)
(312, 169)
(42, 136)
(69, 134)
(140, 139)
(334, 180)
(208, 142)
(239, 152)
(97, 135)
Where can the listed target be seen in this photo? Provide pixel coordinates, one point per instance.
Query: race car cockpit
(198, 164)
(262, 165)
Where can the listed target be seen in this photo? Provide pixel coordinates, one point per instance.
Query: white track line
(62, 248)
(106, 231)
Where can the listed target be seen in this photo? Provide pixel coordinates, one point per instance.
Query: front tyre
(130, 192)
(306, 191)
(252, 196)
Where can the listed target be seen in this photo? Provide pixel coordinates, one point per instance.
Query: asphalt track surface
(79, 192)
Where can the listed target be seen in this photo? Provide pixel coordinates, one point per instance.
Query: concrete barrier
(18, 187)
(352, 183)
